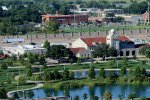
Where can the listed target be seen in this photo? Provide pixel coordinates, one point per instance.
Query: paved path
(39, 85)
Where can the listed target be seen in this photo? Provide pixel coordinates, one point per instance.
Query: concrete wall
(79, 43)
(84, 54)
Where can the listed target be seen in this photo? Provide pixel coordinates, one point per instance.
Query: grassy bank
(107, 65)
(94, 82)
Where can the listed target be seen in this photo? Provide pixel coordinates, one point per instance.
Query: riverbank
(69, 84)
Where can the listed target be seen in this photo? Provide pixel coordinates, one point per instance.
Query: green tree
(71, 75)
(101, 51)
(91, 73)
(132, 96)
(145, 51)
(42, 60)
(29, 71)
(47, 46)
(113, 52)
(137, 72)
(66, 74)
(123, 71)
(102, 73)
(124, 61)
(56, 74)
(143, 71)
(3, 93)
(52, 26)
(21, 80)
(3, 66)
(131, 72)
(107, 96)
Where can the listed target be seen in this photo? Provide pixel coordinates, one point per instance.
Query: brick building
(65, 19)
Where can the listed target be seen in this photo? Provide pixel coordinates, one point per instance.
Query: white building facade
(20, 50)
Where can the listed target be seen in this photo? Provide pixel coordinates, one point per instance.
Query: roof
(145, 15)
(62, 16)
(77, 50)
(124, 38)
(91, 41)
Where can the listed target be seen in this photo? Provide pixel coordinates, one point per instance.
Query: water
(116, 90)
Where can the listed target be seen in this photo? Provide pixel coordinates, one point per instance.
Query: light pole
(148, 12)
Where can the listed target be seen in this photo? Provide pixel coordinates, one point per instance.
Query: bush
(3, 66)
(21, 80)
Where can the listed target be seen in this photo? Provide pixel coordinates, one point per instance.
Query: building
(13, 40)
(131, 19)
(123, 44)
(81, 52)
(66, 19)
(146, 16)
(19, 50)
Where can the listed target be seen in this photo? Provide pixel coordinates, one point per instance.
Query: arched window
(133, 52)
(121, 53)
(127, 53)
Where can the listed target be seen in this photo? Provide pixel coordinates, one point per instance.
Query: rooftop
(90, 41)
(77, 50)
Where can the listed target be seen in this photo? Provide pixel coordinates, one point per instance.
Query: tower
(112, 39)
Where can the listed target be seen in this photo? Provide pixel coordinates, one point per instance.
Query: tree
(48, 75)
(66, 74)
(107, 96)
(56, 74)
(71, 75)
(61, 52)
(21, 80)
(123, 71)
(101, 51)
(145, 51)
(131, 72)
(132, 96)
(102, 73)
(3, 66)
(143, 71)
(124, 61)
(3, 93)
(137, 72)
(113, 52)
(47, 46)
(29, 71)
(42, 60)
(52, 26)
(91, 73)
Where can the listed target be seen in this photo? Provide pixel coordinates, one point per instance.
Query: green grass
(103, 28)
(130, 64)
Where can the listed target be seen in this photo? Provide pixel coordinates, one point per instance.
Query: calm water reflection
(116, 90)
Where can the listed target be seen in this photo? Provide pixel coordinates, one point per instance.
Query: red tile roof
(77, 50)
(90, 41)
(124, 38)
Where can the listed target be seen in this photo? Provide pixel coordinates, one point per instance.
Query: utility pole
(74, 16)
(148, 12)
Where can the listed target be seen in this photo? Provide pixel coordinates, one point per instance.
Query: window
(133, 52)
(127, 53)
(121, 53)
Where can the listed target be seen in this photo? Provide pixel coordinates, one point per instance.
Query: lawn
(94, 28)
(107, 65)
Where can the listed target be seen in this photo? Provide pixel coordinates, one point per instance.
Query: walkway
(39, 85)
